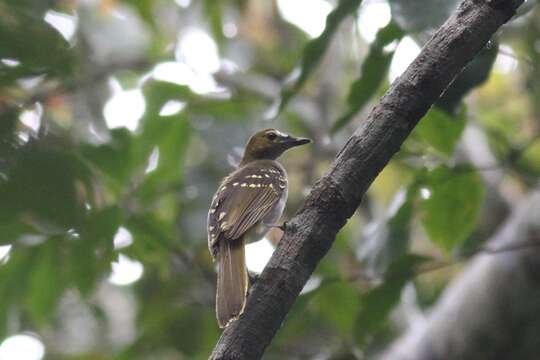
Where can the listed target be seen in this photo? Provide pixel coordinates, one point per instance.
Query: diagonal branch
(335, 197)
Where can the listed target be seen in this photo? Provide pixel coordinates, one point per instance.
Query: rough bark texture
(335, 197)
(491, 310)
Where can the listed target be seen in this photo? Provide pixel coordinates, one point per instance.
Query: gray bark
(336, 196)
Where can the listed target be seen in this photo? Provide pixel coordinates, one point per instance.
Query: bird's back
(254, 193)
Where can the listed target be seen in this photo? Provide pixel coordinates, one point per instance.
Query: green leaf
(198, 327)
(50, 187)
(46, 284)
(372, 74)
(388, 239)
(12, 229)
(450, 213)
(153, 239)
(157, 93)
(475, 73)
(528, 160)
(92, 253)
(214, 12)
(375, 305)
(337, 302)
(26, 37)
(8, 123)
(114, 158)
(235, 108)
(168, 134)
(440, 130)
(315, 49)
(171, 136)
(14, 276)
(303, 300)
(4, 310)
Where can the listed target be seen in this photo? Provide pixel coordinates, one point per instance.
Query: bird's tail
(232, 280)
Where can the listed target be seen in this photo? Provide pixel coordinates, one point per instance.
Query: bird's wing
(243, 199)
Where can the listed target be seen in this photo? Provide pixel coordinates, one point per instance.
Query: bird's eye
(271, 136)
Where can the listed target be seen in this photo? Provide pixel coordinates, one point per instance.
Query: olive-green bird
(247, 203)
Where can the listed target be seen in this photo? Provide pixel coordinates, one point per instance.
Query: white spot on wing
(221, 215)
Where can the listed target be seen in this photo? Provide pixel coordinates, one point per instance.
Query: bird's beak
(292, 141)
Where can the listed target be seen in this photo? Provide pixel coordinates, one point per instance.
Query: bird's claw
(253, 277)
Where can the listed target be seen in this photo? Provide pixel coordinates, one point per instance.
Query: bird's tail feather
(232, 280)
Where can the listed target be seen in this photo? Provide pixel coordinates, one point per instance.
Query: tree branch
(491, 310)
(335, 197)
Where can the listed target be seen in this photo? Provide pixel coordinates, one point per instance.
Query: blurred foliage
(440, 130)
(406, 13)
(377, 304)
(474, 74)
(118, 118)
(452, 204)
(373, 72)
(316, 48)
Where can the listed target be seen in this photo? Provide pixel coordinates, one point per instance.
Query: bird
(248, 202)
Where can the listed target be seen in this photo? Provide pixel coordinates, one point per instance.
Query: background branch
(336, 196)
(492, 304)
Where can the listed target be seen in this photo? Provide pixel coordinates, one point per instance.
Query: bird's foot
(253, 277)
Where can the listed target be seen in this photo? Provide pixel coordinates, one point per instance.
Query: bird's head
(269, 144)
